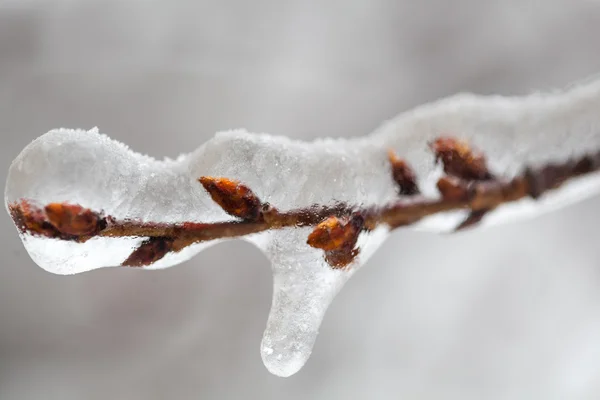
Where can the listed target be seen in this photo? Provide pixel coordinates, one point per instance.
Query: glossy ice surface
(88, 168)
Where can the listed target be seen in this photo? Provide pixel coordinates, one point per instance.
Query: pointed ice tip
(290, 335)
(284, 364)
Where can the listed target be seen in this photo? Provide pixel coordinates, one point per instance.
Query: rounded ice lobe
(89, 169)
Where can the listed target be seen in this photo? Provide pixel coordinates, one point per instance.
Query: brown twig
(469, 185)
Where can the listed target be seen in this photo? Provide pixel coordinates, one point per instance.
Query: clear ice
(88, 168)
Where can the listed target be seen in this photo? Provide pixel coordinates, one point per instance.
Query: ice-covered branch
(468, 185)
(318, 210)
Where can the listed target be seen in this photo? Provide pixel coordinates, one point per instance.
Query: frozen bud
(460, 160)
(149, 252)
(31, 219)
(403, 175)
(72, 219)
(234, 198)
(337, 236)
(334, 233)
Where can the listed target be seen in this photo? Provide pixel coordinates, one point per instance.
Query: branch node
(452, 188)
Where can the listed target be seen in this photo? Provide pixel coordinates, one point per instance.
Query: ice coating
(303, 287)
(88, 168)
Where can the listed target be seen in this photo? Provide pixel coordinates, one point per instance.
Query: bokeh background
(512, 312)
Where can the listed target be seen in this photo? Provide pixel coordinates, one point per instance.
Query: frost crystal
(88, 168)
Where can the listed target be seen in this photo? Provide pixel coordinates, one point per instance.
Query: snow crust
(88, 168)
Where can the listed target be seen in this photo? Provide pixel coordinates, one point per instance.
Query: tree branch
(467, 185)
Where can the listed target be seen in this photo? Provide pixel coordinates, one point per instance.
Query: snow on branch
(468, 185)
(318, 210)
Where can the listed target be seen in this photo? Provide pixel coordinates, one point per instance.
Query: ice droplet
(89, 169)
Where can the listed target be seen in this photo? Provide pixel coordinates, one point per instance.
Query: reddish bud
(234, 198)
(72, 219)
(333, 233)
(56, 220)
(149, 252)
(403, 175)
(337, 236)
(460, 160)
(31, 219)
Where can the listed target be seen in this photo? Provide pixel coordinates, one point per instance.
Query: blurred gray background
(509, 313)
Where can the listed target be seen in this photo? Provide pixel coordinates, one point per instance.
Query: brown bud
(403, 175)
(31, 219)
(339, 259)
(234, 198)
(460, 160)
(337, 236)
(72, 219)
(150, 251)
(452, 188)
(334, 233)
